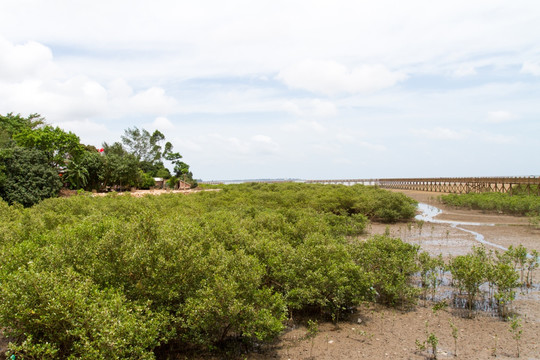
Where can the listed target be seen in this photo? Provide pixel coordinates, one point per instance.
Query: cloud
(31, 81)
(448, 134)
(371, 146)
(239, 147)
(163, 123)
(311, 108)
(465, 70)
(304, 126)
(532, 68)
(152, 101)
(19, 62)
(439, 134)
(495, 138)
(345, 138)
(497, 117)
(330, 77)
(90, 132)
(264, 144)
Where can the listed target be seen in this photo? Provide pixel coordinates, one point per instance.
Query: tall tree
(121, 168)
(145, 146)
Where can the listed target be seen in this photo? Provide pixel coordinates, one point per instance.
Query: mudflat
(376, 332)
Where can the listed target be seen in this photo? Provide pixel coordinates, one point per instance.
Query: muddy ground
(375, 332)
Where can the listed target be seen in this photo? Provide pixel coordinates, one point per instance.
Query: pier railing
(458, 185)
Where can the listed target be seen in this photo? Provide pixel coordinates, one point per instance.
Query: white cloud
(119, 88)
(500, 116)
(238, 147)
(151, 101)
(330, 77)
(448, 134)
(89, 132)
(264, 144)
(162, 123)
(531, 68)
(303, 127)
(371, 146)
(439, 134)
(345, 138)
(496, 138)
(31, 81)
(19, 62)
(230, 67)
(311, 108)
(465, 70)
(227, 145)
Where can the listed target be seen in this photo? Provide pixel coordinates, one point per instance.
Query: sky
(288, 89)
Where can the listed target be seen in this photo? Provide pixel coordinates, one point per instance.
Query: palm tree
(77, 175)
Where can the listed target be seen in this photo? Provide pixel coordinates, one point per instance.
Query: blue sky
(288, 89)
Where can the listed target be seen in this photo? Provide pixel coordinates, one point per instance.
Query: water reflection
(429, 212)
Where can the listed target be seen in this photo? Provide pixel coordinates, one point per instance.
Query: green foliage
(431, 340)
(312, 331)
(13, 124)
(143, 145)
(68, 316)
(172, 182)
(77, 175)
(392, 264)
(146, 180)
(430, 268)
(190, 271)
(534, 220)
(94, 163)
(516, 331)
(455, 335)
(27, 177)
(504, 203)
(120, 167)
(505, 279)
(55, 143)
(83, 166)
(470, 271)
(163, 173)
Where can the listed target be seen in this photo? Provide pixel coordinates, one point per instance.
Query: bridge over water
(458, 185)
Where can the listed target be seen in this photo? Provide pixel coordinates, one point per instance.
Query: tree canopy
(37, 158)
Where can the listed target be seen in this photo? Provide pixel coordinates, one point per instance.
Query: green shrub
(392, 263)
(64, 315)
(28, 176)
(191, 270)
(504, 203)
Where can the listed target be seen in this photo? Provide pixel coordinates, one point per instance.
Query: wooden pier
(461, 185)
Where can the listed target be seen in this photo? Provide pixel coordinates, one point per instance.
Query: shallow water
(429, 212)
(459, 302)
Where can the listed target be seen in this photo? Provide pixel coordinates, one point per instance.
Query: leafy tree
(27, 177)
(94, 163)
(146, 180)
(163, 173)
(181, 169)
(13, 124)
(58, 145)
(77, 175)
(145, 146)
(121, 168)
